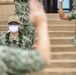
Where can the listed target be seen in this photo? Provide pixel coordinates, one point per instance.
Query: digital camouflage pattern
(16, 61)
(26, 42)
(74, 4)
(22, 9)
(71, 14)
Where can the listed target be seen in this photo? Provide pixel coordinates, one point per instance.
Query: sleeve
(71, 15)
(16, 60)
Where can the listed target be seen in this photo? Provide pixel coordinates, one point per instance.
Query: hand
(37, 13)
(61, 0)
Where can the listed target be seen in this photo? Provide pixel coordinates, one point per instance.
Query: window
(66, 5)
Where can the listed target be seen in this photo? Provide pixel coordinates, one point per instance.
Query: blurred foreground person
(15, 61)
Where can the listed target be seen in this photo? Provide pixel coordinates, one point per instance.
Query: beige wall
(6, 9)
(6, 0)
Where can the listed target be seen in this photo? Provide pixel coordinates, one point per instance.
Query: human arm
(19, 61)
(38, 17)
(61, 12)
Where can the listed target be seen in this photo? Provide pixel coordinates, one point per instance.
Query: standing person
(70, 15)
(22, 9)
(15, 38)
(15, 61)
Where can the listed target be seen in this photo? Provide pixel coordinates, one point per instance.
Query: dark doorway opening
(51, 6)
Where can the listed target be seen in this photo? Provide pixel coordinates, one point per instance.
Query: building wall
(6, 9)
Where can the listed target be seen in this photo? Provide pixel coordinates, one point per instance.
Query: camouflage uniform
(1, 33)
(18, 62)
(71, 14)
(26, 42)
(22, 10)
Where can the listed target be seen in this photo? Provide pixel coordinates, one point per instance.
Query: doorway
(52, 6)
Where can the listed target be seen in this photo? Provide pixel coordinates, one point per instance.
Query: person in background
(15, 38)
(70, 15)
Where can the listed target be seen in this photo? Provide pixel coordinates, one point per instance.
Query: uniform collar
(16, 39)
